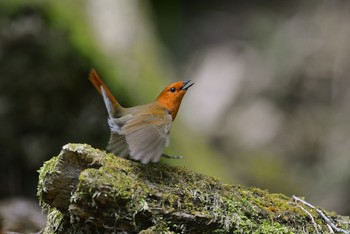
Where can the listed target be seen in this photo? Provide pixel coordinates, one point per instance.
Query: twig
(329, 222)
(310, 215)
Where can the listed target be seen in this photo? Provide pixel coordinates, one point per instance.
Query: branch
(85, 189)
(329, 222)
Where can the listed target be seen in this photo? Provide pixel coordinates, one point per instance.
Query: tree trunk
(86, 190)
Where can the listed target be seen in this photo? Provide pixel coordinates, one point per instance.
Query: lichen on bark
(85, 189)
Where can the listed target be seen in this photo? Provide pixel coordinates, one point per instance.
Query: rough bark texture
(86, 190)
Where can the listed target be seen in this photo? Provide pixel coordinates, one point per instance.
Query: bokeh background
(270, 107)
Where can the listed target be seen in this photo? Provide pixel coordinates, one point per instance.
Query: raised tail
(113, 107)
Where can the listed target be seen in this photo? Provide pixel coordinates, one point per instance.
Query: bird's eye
(172, 89)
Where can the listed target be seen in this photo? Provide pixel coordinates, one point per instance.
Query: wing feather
(117, 145)
(146, 136)
(141, 136)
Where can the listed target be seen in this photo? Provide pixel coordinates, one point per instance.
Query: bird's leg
(171, 156)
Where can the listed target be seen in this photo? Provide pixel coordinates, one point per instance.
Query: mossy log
(87, 190)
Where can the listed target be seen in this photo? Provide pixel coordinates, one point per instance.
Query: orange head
(171, 96)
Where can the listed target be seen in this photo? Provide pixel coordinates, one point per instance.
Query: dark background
(270, 107)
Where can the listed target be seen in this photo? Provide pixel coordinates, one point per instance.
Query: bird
(141, 132)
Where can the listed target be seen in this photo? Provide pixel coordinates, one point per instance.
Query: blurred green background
(270, 107)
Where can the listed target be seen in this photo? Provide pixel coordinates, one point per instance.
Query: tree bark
(86, 190)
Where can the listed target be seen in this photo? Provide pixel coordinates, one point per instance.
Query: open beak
(185, 86)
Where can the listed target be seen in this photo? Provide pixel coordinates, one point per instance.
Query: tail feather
(117, 143)
(103, 89)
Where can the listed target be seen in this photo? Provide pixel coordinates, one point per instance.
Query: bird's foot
(171, 156)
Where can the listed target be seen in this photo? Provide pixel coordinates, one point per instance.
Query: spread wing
(117, 145)
(147, 135)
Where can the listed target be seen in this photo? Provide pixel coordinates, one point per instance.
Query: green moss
(48, 167)
(98, 187)
(56, 221)
(268, 228)
(120, 194)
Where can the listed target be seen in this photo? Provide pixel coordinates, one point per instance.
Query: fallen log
(88, 190)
